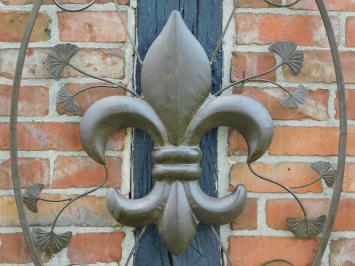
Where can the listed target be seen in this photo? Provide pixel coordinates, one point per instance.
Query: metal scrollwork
(272, 3)
(50, 242)
(290, 57)
(59, 5)
(271, 262)
(176, 109)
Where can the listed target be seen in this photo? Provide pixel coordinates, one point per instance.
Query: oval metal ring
(13, 131)
(74, 10)
(282, 5)
(343, 126)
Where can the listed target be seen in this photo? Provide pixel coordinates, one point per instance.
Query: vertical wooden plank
(204, 18)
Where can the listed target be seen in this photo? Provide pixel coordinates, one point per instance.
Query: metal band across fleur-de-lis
(176, 110)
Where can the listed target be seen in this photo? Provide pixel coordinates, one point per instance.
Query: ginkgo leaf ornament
(290, 56)
(306, 228)
(294, 99)
(60, 57)
(50, 241)
(327, 172)
(31, 196)
(66, 102)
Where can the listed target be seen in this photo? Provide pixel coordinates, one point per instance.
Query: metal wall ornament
(176, 109)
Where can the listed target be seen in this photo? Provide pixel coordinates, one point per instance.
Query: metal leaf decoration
(327, 172)
(66, 102)
(59, 57)
(292, 57)
(294, 99)
(306, 228)
(50, 241)
(31, 196)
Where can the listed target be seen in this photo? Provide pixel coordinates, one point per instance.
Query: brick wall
(50, 150)
(302, 136)
(49, 145)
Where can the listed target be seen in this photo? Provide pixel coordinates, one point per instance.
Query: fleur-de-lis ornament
(176, 109)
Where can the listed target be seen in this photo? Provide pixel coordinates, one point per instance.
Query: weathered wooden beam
(204, 18)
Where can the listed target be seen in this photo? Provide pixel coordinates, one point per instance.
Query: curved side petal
(112, 113)
(139, 212)
(242, 113)
(216, 211)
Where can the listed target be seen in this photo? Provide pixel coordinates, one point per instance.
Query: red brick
(96, 247)
(31, 170)
(79, 172)
(91, 26)
(322, 141)
(289, 174)
(251, 64)
(350, 31)
(255, 3)
(13, 249)
(278, 210)
(39, 136)
(254, 250)
(33, 100)
(349, 178)
(315, 107)
(12, 26)
(343, 5)
(345, 220)
(109, 63)
(319, 141)
(88, 211)
(342, 252)
(248, 219)
(350, 98)
(318, 67)
(236, 143)
(270, 28)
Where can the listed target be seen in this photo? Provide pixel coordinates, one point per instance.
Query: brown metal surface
(176, 111)
(343, 128)
(13, 133)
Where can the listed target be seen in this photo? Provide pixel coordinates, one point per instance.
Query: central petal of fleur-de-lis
(176, 110)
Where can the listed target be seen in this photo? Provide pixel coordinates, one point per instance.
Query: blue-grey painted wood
(204, 18)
